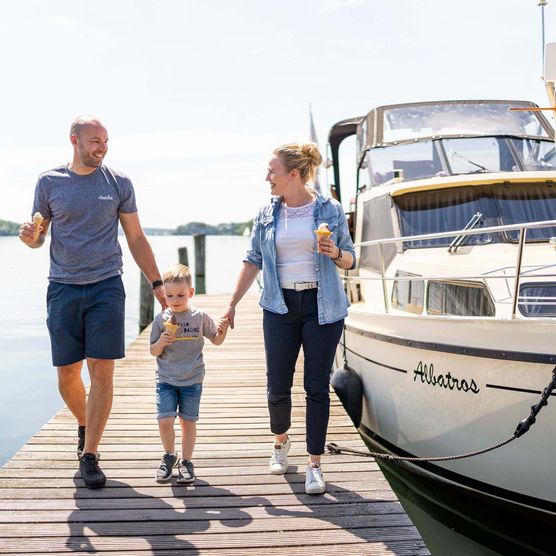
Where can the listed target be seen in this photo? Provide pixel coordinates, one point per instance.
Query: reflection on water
(440, 539)
(29, 394)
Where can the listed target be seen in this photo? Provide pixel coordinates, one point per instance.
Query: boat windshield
(465, 155)
(404, 123)
(444, 210)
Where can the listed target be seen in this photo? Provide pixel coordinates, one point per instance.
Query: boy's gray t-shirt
(84, 214)
(181, 364)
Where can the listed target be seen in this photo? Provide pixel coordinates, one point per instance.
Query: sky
(196, 94)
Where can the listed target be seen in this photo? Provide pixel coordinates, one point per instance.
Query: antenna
(542, 4)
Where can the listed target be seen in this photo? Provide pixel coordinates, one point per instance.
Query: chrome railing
(522, 228)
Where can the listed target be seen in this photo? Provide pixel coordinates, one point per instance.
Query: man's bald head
(83, 121)
(90, 144)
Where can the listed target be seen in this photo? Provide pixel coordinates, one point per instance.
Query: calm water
(29, 393)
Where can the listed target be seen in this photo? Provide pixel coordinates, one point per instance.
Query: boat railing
(516, 275)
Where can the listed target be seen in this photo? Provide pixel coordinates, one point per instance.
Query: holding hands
(223, 324)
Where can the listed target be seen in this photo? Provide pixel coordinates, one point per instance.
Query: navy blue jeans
(283, 336)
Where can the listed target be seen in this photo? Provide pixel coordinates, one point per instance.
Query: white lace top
(295, 244)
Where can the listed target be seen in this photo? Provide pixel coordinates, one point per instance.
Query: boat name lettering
(426, 374)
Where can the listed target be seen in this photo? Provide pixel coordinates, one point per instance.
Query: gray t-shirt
(83, 211)
(181, 364)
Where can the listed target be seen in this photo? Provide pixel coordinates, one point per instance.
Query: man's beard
(89, 160)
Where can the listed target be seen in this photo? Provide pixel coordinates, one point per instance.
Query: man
(82, 203)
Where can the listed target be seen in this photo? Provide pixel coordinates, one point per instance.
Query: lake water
(29, 393)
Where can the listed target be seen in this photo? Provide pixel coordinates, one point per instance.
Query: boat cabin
(435, 167)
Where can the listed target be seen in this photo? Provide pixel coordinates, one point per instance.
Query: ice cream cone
(322, 232)
(170, 325)
(37, 220)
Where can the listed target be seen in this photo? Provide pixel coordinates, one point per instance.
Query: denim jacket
(332, 300)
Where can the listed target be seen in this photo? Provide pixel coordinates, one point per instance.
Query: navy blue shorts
(86, 321)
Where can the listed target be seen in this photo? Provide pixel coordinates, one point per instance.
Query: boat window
(472, 118)
(518, 203)
(415, 160)
(464, 299)
(535, 155)
(441, 210)
(537, 300)
(479, 154)
(377, 224)
(408, 295)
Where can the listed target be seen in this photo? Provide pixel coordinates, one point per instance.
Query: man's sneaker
(314, 481)
(186, 472)
(164, 471)
(279, 458)
(91, 472)
(80, 440)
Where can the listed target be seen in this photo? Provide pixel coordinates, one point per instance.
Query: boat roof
(399, 123)
(470, 180)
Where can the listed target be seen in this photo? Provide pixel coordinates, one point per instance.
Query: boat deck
(235, 508)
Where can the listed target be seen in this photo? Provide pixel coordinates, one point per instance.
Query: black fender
(349, 388)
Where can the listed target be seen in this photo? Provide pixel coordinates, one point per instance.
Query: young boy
(177, 339)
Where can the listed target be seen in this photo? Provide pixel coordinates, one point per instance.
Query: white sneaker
(314, 481)
(279, 459)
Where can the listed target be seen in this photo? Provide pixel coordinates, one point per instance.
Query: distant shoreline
(8, 228)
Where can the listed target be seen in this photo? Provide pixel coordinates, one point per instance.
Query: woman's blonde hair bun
(304, 157)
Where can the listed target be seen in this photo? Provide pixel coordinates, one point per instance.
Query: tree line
(227, 229)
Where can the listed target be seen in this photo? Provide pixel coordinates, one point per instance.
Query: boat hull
(491, 520)
(439, 399)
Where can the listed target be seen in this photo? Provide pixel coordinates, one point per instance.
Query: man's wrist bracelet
(339, 255)
(157, 283)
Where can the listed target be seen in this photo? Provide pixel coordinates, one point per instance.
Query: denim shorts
(86, 321)
(185, 398)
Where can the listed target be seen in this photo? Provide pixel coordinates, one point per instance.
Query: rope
(522, 427)
(335, 449)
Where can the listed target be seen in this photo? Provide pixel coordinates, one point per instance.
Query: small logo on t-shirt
(105, 198)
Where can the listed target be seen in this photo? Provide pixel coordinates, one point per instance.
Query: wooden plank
(235, 508)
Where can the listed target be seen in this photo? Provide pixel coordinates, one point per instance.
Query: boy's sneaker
(314, 481)
(186, 472)
(91, 472)
(279, 458)
(80, 440)
(164, 471)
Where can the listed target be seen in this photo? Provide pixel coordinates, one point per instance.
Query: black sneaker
(164, 471)
(186, 472)
(91, 472)
(80, 440)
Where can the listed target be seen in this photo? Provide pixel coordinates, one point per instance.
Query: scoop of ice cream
(170, 325)
(323, 230)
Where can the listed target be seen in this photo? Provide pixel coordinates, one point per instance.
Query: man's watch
(157, 283)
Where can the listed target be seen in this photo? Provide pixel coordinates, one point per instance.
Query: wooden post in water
(199, 240)
(146, 303)
(182, 256)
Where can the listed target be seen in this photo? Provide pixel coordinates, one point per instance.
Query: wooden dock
(236, 506)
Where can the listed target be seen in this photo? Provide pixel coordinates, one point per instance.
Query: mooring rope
(522, 427)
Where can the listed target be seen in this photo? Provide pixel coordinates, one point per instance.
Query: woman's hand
(229, 315)
(328, 248)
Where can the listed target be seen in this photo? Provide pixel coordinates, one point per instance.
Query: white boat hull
(431, 399)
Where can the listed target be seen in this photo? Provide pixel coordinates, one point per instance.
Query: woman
(303, 298)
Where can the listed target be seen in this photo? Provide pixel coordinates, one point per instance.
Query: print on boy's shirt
(185, 332)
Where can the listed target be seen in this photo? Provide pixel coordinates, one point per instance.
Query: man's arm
(141, 251)
(27, 233)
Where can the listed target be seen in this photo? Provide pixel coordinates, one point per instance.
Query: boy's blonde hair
(178, 273)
